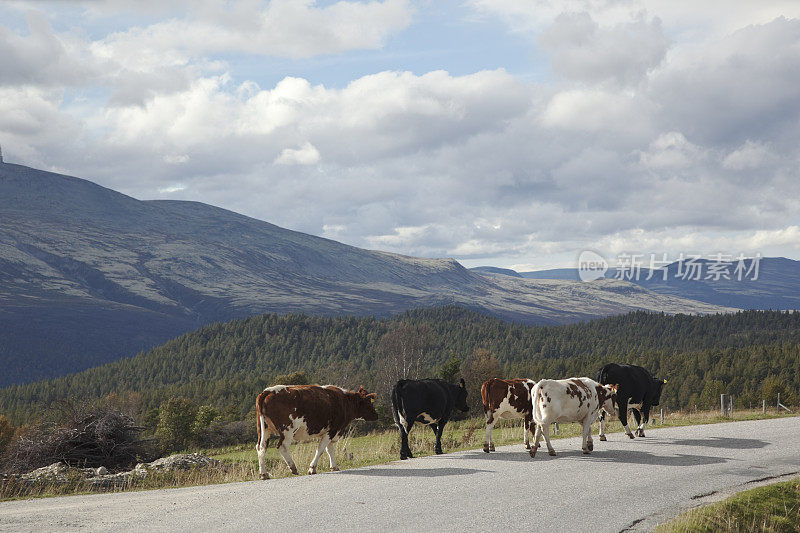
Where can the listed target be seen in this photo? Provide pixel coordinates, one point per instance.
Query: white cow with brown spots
(569, 400)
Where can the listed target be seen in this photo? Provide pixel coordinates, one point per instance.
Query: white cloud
(286, 28)
(598, 110)
(580, 49)
(172, 188)
(670, 151)
(305, 155)
(750, 155)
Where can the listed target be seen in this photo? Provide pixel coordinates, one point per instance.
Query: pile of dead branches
(86, 436)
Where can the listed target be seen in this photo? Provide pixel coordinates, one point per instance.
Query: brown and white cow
(509, 399)
(569, 400)
(298, 413)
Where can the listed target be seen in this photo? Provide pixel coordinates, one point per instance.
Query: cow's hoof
(335, 469)
(438, 452)
(527, 446)
(264, 476)
(630, 435)
(641, 433)
(491, 447)
(532, 452)
(403, 457)
(295, 472)
(551, 452)
(590, 446)
(486, 449)
(311, 471)
(585, 452)
(603, 438)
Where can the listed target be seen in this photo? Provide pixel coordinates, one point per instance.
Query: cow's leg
(546, 432)
(623, 415)
(405, 451)
(638, 417)
(645, 418)
(602, 419)
(439, 428)
(488, 445)
(525, 427)
(331, 449)
(261, 449)
(531, 429)
(323, 443)
(587, 444)
(283, 449)
(536, 439)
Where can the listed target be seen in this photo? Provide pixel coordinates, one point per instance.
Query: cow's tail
(397, 402)
(485, 396)
(262, 427)
(536, 404)
(263, 434)
(601, 376)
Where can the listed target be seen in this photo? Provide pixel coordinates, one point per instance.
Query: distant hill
(776, 287)
(554, 273)
(227, 364)
(89, 275)
(496, 270)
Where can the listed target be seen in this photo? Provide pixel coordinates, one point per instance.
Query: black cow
(637, 390)
(427, 401)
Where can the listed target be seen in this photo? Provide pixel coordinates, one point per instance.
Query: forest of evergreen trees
(750, 354)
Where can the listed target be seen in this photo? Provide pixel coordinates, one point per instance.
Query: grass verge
(773, 508)
(352, 451)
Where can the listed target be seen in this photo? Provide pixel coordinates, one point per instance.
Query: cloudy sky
(499, 132)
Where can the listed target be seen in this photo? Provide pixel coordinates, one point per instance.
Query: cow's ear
(463, 385)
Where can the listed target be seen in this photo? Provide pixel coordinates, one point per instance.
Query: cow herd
(297, 413)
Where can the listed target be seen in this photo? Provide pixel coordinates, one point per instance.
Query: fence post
(662, 416)
(780, 405)
(763, 407)
(722, 404)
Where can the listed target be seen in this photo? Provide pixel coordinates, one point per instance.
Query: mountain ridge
(89, 275)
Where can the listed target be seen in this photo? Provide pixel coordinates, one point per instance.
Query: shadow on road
(413, 472)
(637, 457)
(730, 443)
(520, 455)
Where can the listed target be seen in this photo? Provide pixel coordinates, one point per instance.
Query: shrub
(176, 418)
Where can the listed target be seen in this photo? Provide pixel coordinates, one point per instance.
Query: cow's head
(607, 397)
(658, 386)
(461, 397)
(365, 407)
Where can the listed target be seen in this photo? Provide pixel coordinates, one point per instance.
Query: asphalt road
(623, 484)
